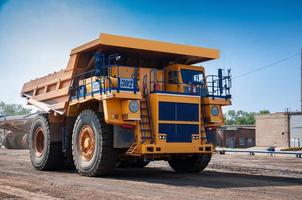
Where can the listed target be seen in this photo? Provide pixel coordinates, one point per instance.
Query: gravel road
(227, 177)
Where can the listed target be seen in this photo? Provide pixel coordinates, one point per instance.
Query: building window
(241, 141)
(250, 141)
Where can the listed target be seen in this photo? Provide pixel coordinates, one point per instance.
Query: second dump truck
(123, 102)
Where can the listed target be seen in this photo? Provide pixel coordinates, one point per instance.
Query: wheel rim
(39, 142)
(86, 143)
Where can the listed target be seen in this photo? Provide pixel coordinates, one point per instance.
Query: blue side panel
(82, 91)
(178, 132)
(95, 86)
(187, 112)
(167, 111)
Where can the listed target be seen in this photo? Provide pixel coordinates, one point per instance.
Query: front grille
(170, 111)
(178, 132)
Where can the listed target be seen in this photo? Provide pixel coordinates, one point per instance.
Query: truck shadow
(210, 179)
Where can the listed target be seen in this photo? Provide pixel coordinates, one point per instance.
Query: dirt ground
(227, 177)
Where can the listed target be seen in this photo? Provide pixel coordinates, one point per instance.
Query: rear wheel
(92, 145)
(193, 164)
(18, 141)
(7, 141)
(24, 141)
(44, 154)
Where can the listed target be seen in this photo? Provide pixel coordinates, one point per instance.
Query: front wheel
(194, 164)
(92, 145)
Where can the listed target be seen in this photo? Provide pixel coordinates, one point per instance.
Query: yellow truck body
(148, 95)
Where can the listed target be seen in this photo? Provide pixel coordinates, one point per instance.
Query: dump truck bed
(51, 92)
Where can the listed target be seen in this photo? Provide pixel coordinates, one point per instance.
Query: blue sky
(36, 38)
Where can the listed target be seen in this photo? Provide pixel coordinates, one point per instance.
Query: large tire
(69, 163)
(18, 141)
(194, 164)
(92, 145)
(24, 141)
(44, 154)
(7, 141)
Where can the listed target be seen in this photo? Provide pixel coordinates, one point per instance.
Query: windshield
(191, 76)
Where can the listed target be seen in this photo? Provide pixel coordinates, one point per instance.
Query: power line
(267, 66)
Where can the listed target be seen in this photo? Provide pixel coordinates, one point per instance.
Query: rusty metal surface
(18, 124)
(16, 130)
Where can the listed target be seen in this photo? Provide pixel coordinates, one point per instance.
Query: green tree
(262, 112)
(240, 117)
(13, 109)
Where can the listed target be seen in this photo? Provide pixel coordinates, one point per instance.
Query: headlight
(214, 110)
(133, 106)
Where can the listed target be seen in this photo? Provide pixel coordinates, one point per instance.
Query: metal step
(132, 149)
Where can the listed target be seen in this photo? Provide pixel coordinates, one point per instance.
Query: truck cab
(184, 78)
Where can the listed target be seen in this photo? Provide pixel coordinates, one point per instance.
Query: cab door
(172, 83)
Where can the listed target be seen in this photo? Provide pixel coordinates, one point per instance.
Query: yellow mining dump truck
(123, 102)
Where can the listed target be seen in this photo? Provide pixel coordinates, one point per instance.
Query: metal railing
(98, 84)
(101, 79)
(219, 86)
(298, 154)
(213, 86)
(155, 84)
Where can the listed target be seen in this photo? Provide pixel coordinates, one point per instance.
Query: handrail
(298, 154)
(212, 86)
(153, 80)
(75, 88)
(218, 86)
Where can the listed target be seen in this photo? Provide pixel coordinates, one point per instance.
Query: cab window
(173, 77)
(191, 76)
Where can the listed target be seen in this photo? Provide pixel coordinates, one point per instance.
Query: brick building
(236, 136)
